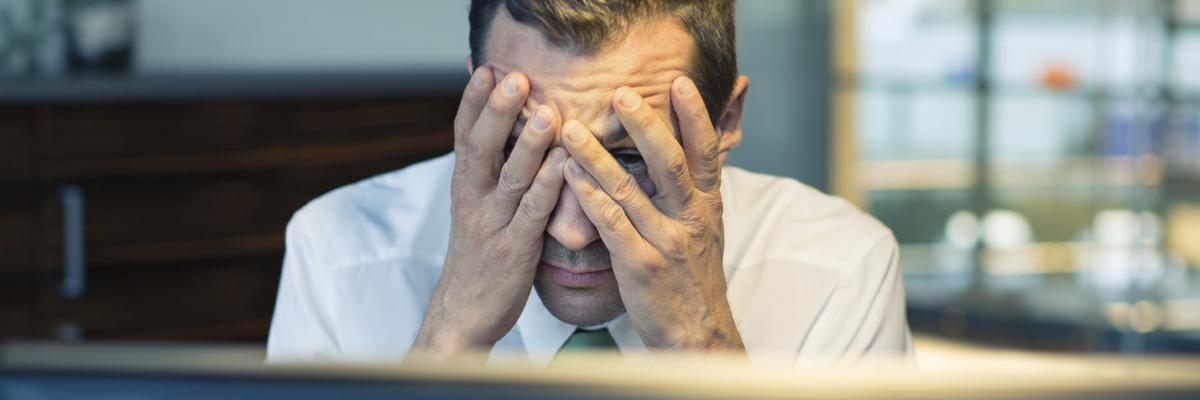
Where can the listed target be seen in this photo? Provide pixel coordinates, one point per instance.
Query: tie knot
(590, 340)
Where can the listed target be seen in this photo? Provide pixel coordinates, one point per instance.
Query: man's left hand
(666, 250)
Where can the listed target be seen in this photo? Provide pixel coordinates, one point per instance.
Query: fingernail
(628, 99)
(556, 156)
(541, 121)
(573, 135)
(510, 86)
(686, 89)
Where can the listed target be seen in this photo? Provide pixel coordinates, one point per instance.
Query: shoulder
(378, 217)
(784, 220)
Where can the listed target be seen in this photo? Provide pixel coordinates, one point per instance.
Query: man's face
(575, 279)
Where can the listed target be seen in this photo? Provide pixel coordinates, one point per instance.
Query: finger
(616, 230)
(473, 99)
(700, 142)
(485, 142)
(533, 211)
(587, 152)
(526, 157)
(656, 141)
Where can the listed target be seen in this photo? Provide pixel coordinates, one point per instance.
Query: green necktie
(597, 340)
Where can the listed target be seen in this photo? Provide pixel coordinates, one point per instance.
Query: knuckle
(693, 222)
(675, 242)
(531, 209)
(709, 182)
(716, 207)
(708, 151)
(460, 149)
(461, 126)
(696, 227)
(476, 147)
(677, 170)
(654, 265)
(625, 189)
(510, 183)
(688, 197)
(611, 216)
(592, 193)
(468, 111)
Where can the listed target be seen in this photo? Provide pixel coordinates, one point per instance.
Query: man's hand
(499, 213)
(666, 250)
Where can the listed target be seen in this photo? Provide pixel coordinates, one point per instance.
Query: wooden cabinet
(17, 272)
(180, 207)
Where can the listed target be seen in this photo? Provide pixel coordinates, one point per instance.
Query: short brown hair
(584, 26)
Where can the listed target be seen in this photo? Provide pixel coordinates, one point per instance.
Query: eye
(630, 159)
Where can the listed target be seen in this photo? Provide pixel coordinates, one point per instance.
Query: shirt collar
(543, 334)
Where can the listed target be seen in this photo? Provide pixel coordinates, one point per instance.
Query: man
(586, 204)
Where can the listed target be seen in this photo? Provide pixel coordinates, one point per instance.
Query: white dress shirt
(809, 276)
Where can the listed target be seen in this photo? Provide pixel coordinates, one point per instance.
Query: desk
(1050, 311)
(144, 371)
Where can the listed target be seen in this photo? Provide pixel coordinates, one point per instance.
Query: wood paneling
(16, 128)
(177, 302)
(186, 203)
(89, 142)
(17, 275)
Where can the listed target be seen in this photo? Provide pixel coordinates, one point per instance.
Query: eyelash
(630, 159)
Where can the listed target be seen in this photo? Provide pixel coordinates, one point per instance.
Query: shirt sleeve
(865, 316)
(301, 329)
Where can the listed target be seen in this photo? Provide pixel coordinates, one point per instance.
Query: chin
(580, 306)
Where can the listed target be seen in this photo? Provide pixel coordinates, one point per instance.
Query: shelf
(917, 85)
(1084, 172)
(236, 85)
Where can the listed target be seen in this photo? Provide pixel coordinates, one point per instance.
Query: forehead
(647, 59)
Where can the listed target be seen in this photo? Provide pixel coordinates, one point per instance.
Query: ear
(729, 125)
(470, 65)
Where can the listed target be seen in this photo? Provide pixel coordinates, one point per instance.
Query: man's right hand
(498, 216)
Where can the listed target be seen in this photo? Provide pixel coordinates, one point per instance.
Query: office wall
(783, 46)
(240, 35)
(784, 124)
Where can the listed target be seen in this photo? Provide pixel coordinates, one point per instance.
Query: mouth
(575, 278)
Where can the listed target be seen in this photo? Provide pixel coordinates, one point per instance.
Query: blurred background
(1039, 161)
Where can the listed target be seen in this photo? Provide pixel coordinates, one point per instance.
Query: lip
(582, 279)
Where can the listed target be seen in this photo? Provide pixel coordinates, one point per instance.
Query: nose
(569, 225)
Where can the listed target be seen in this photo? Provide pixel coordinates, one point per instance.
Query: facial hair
(579, 306)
